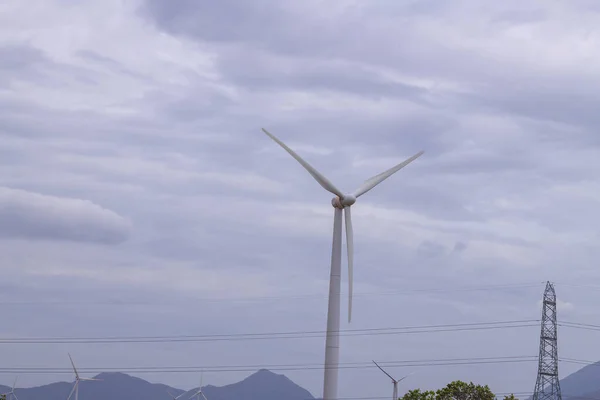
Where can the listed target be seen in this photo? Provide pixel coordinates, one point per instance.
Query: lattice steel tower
(547, 386)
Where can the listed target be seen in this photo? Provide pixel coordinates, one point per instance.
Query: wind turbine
(12, 391)
(175, 397)
(394, 381)
(341, 202)
(199, 392)
(77, 380)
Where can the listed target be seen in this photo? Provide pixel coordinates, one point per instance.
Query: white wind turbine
(340, 202)
(394, 381)
(12, 391)
(199, 392)
(77, 380)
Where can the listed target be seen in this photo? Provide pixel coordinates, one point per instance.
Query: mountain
(583, 384)
(112, 386)
(262, 385)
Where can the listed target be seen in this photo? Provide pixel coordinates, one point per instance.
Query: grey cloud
(13, 57)
(205, 106)
(565, 99)
(24, 62)
(110, 64)
(259, 70)
(35, 216)
(430, 249)
(296, 30)
(459, 247)
(315, 51)
(228, 21)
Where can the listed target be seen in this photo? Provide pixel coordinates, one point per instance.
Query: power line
(275, 335)
(274, 367)
(580, 325)
(581, 362)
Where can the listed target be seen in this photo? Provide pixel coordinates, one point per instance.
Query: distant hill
(583, 384)
(262, 385)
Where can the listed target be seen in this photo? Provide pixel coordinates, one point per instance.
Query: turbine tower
(394, 381)
(547, 385)
(11, 394)
(341, 202)
(77, 380)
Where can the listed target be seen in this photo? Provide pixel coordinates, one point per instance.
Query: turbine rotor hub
(348, 200)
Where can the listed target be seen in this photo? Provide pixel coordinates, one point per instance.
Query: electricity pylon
(547, 386)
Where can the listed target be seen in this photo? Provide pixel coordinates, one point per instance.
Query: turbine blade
(383, 370)
(15, 396)
(72, 391)
(73, 364)
(377, 179)
(350, 249)
(203, 396)
(15, 384)
(324, 182)
(404, 377)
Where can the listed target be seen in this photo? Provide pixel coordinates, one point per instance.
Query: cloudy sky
(139, 197)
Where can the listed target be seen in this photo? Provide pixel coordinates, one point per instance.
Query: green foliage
(456, 390)
(459, 390)
(418, 395)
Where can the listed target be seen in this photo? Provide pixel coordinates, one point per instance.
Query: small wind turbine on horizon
(341, 202)
(175, 397)
(77, 380)
(12, 391)
(199, 392)
(394, 381)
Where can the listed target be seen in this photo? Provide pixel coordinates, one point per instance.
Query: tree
(459, 390)
(456, 390)
(418, 395)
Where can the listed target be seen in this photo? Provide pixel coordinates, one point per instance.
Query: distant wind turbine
(77, 380)
(175, 397)
(199, 392)
(394, 381)
(341, 202)
(12, 391)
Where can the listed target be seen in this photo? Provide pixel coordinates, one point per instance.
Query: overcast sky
(138, 195)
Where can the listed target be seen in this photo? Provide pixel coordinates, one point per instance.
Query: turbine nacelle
(346, 201)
